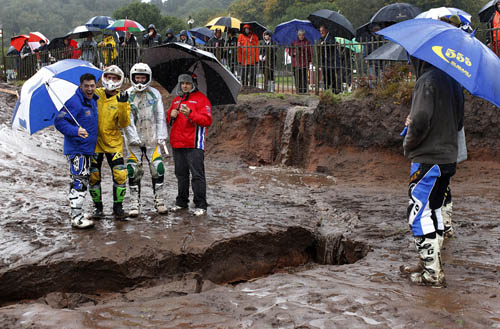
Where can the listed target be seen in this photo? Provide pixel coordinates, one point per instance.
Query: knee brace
(120, 174)
(157, 168)
(95, 176)
(79, 183)
(135, 172)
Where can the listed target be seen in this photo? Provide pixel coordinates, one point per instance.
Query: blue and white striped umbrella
(436, 13)
(45, 93)
(100, 22)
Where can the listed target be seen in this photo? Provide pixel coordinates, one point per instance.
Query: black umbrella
(488, 11)
(337, 24)
(391, 51)
(173, 59)
(201, 32)
(395, 13)
(12, 51)
(101, 22)
(257, 28)
(56, 43)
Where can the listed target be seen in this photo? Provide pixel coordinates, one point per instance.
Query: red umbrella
(33, 40)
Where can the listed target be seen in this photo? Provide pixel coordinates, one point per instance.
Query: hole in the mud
(337, 250)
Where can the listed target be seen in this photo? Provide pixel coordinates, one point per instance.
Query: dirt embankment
(301, 132)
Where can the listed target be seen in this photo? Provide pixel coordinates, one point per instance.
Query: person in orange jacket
(496, 32)
(248, 56)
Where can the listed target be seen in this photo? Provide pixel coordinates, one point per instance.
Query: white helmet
(108, 84)
(140, 68)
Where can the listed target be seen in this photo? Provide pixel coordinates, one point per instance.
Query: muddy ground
(306, 229)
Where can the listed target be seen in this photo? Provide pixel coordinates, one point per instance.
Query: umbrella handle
(48, 86)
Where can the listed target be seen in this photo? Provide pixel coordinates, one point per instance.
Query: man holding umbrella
(330, 61)
(79, 144)
(189, 115)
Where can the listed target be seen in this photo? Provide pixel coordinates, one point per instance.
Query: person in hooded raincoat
(169, 36)
(248, 56)
(184, 38)
(108, 49)
(268, 58)
(152, 38)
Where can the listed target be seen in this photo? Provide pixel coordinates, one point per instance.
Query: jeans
(190, 162)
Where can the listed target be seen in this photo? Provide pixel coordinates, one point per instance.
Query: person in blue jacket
(77, 121)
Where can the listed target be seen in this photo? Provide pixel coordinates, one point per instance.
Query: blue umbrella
(201, 32)
(100, 22)
(286, 33)
(436, 13)
(197, 40)
(458, 53)
(45, 93)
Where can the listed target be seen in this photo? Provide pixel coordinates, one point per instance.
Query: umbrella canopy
(257, 28)
(437, 13)
(201, 32)
(190, 36)
(33, 40)
(352, 45)
(100, 22)
(285, 33)
(224, 23)
(45, 93)
(12, 51)
(170, 60)
(337, 24)
(59, 43)
(488, 11)
(391, 51)
(82, 31)
(458, 53)
(126, 25)
(397, 12)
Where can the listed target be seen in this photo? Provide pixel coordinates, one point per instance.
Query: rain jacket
(268, 53)
(329, 52)
(301, 52)
(147, 118)
(85, 112)
(113, 116)
(437, 113)
(496, 34)
(109, 52)
(248, 56)
(89, 51)
(152, 40)
(190, 131)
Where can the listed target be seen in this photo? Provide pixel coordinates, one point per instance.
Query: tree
(143, 13)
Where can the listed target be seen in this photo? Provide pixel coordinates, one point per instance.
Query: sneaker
(81, 221)
(177, 208)
(161, 209)
(199, 212)
(118, 211)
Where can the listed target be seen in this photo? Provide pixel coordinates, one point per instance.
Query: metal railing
(339, 67)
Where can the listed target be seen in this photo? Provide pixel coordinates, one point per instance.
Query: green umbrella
(126, 25)
(351, 44)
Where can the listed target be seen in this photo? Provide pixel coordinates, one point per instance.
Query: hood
(169, 31)
(420, 66)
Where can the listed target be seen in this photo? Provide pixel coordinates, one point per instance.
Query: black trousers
(300, 74)
(190, 162)
(332, 78)
(249, 75)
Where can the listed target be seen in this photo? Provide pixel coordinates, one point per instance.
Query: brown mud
(306, 229)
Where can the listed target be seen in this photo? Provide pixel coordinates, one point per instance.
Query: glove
(122, 97)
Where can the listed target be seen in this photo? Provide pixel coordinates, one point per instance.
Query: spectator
(26, 49)
(152, 38)
(330, 61)
(216, 44)
(43, 52)
(128, 51)
(495, 24)
(89, 49)
(268, 58)
(301, 58)
(184, 38)
(79, 144)
(169, 36)
(189, 115)
(230, 54)
(248, 56)
(109, 52)
(28, 62)
(373, 41)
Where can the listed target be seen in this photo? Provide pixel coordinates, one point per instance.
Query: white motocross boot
(78, 218)
(446, 212)
(430, 255)
(159, 203)
(135, 201)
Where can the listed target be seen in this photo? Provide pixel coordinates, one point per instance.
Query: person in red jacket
(301, 59)
(189, 115)
(248, 56)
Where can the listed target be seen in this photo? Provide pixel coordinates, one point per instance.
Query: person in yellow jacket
(108, 49)
(113, 111)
